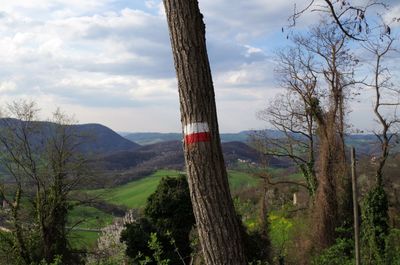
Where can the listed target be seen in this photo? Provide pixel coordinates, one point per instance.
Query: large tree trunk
(219, 227)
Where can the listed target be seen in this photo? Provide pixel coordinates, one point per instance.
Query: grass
(132, 195)
(88, 217)
(135, 193)
(83, 239)
(239, 180)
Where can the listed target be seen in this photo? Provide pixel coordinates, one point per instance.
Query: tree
(43, 166)
(169, 215)
(351, 17)
(317, 74)
(375, 210)
(335, 72)
(290, 114)
(218, 226)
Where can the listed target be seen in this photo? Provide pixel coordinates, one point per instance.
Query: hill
(92, 138)
(364, 143)
(169, 155)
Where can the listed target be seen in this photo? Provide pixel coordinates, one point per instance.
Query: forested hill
(92, 138)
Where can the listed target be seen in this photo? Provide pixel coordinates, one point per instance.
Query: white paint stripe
(196, 127)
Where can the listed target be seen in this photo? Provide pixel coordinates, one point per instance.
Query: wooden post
(355, 207)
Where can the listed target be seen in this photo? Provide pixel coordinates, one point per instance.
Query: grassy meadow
(132, 195)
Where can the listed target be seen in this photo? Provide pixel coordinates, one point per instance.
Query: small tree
(375, 208)
(168, 214)
(43, 165)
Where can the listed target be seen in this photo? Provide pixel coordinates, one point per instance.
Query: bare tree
(387, 99)
(318, 76)
(352, 17)
(333, 198)
(290, 114)
(44, 165)
(219, 228)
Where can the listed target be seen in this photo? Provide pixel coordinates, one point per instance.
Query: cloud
(115, 56)
(7, 86)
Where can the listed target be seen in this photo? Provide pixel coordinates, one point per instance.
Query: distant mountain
(147, 138)
(364, 143)
(93, 138)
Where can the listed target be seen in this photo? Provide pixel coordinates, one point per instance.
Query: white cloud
(7, 86)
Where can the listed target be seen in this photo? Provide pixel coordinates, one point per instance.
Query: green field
(88, 217)
(135, 193)
(238, 180)
(83, 239)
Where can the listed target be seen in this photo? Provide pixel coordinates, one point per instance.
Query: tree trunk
(218, 225)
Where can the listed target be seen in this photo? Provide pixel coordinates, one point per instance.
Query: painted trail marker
(196, 132)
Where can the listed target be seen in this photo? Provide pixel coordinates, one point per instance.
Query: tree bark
(219, 227)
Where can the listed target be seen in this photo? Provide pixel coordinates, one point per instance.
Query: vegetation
(135, 193)
(44, 171)
(163, 232)
(292, 207)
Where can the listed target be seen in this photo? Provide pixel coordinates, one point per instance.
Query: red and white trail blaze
(196, 132)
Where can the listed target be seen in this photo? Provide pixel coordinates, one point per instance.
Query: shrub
(168, 215)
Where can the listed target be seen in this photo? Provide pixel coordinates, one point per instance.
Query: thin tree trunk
(355, 207)
(219, 227)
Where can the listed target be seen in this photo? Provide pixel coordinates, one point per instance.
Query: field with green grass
(135, 193)
(238, 180)
(86, 217)
(132, 195)
(83, 239)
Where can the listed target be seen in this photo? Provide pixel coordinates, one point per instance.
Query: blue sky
(110, 62)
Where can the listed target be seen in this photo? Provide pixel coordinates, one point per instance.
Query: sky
(110, 61)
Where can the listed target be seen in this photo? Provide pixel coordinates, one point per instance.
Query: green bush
(168, 215)
(393, 247)
(375, 226)
(338, 254)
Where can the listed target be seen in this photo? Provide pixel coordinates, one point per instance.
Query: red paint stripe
(197, 137)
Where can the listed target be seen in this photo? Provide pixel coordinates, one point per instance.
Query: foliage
(247, 209)
(375, 226)
(257, 247)
(338, 254)
(57, 261)
(43, 165)
(280, 229)
(110, 250)
(392, 254)
(169, 216)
